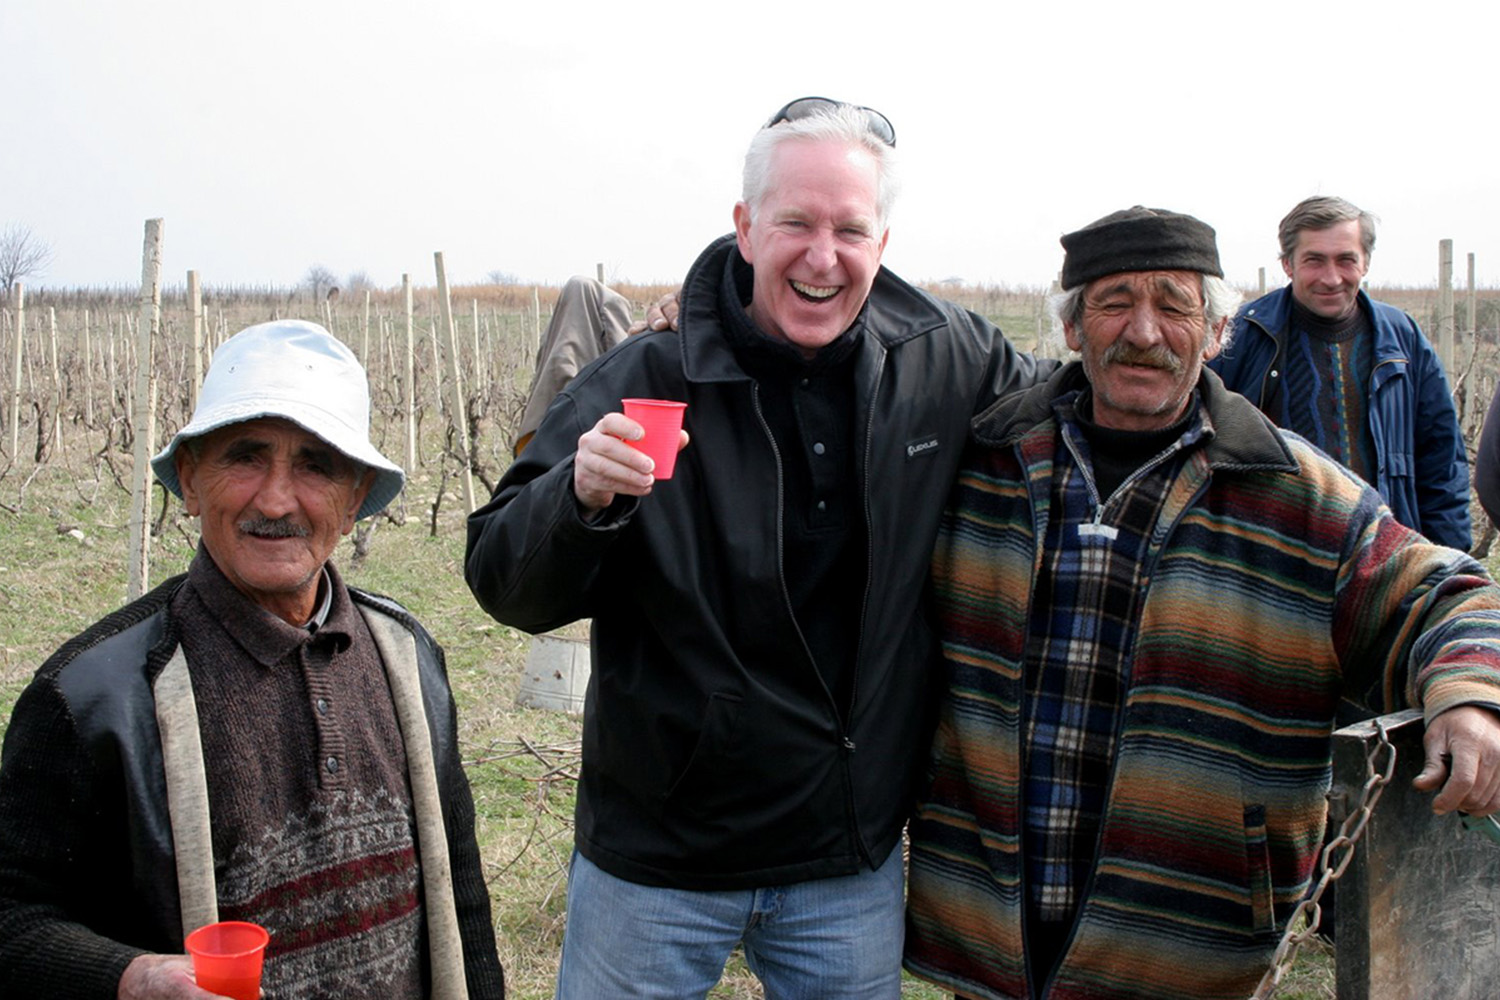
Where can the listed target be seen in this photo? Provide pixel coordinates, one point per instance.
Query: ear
(742, 231)
(881, 251)
(1214, 343)
(187, 467)
(357, 500)
(1286, 265)
(1073, 336)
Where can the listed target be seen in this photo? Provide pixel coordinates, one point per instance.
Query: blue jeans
(825, 939)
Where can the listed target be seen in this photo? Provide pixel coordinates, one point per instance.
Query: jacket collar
(1270, 314)
(896, 312)
(1241, 437)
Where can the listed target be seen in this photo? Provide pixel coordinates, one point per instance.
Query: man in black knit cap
(252, 740)
(1151, 602)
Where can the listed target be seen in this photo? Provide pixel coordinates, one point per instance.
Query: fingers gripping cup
(661, 419)
(227, 958)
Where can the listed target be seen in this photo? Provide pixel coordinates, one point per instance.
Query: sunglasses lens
(805, 107)
(878, 124)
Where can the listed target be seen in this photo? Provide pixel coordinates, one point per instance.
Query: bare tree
(22, 255)
(319, 281)
(358, 283)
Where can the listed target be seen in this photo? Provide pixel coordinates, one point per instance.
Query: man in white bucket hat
(252, 740)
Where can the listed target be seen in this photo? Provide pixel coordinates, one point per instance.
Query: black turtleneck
(1118, 453)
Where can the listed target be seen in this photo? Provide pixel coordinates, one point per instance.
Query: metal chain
(1330, 870)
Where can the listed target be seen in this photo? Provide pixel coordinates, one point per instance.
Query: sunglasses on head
(803, 107)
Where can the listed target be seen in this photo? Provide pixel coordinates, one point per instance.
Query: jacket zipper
(847, 718)
(841, 724)
(786, 596)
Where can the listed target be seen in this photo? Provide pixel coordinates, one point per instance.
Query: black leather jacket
(88, 876)
(714, 757)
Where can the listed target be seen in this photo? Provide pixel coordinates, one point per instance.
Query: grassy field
(63, 562)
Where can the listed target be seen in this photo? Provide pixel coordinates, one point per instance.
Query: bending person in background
(588, 320)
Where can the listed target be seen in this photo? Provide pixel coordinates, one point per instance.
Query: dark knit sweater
(1326, 386)
(312, 816)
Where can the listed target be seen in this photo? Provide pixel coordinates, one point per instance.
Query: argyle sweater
(313, 831)
(1275, 583)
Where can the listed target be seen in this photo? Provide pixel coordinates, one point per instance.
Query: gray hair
(1219, 303)
(846, 123)
(1325, 212)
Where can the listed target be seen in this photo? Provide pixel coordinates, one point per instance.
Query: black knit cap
(1139, 239)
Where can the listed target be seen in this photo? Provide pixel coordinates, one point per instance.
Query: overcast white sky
(540, 138)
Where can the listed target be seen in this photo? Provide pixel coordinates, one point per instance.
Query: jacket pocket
(718, 741)
(1258, 870)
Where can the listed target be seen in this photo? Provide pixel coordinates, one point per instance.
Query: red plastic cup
(662, 421)
(227, 958)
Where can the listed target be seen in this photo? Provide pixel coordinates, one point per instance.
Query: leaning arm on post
(1462, 751)
(1427, 618)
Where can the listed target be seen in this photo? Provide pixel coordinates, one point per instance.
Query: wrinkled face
(274, 500)
(1326, 268)
(815, 242)
(1144, 337)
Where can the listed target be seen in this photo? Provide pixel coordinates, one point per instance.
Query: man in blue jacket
(1354, 376)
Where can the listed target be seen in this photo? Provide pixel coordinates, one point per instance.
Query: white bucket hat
(297, 371)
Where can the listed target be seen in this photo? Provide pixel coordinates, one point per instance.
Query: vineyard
(448, 386)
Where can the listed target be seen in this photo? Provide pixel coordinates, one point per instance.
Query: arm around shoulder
(1006, 369)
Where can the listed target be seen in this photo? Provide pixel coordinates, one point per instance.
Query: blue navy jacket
(1422, 467)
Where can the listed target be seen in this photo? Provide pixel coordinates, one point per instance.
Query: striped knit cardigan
(1277, 583)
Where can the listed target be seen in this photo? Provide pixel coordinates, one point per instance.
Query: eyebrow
(1120, 287)
(242, 446)
(1175, 291)
(323, 454)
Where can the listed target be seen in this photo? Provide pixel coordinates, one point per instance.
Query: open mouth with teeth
(813, 293)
